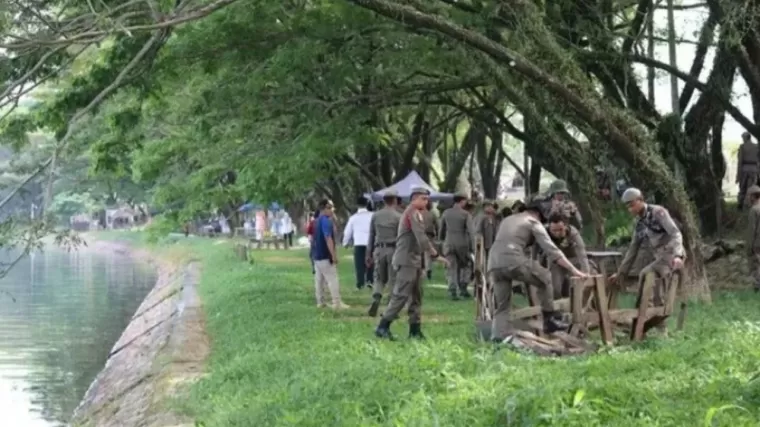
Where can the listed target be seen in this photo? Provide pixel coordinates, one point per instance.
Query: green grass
(277, 360)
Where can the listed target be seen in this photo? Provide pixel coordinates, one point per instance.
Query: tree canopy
(201, 105)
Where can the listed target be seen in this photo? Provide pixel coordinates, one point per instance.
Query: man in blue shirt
(326, 257)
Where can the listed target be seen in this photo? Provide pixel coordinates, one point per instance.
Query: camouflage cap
(558, 186)
(390, 193)
(420, 190)
(535, 204)
(755, 189)
(461, 195)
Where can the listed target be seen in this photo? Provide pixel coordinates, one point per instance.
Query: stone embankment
(163, 346)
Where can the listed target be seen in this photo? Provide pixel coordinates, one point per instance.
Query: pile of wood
(523, 337)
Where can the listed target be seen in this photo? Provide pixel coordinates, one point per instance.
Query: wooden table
(601, 258)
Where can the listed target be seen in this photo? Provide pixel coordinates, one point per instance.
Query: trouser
(661, 268)
(524, 270)
(754, 268)
(326, 276)
(561, 279)
(363, 273)
(459, 272)
(747, 178)
(385, 273)
(408, 288)
(311, 258)
(289, 238)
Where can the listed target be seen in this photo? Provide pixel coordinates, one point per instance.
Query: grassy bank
(279, 361)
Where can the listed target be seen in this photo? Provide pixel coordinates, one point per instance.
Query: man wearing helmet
(653, 223)
(508, 261)
(558, 200)
(753, 235)
(569, 240)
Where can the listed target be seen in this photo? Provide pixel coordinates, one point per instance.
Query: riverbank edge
(163, 347)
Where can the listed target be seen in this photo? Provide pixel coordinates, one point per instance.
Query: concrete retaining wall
(164, 345)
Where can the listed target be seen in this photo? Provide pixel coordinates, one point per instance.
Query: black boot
(453, 295)
(384, 330)
(415, 331)
(553, 322)
(430, 274)
(464, 293)
(375, 305)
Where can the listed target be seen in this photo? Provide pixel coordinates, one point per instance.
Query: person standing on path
(753, 235)
(286, 227)
(486, 225)
(408, 260)
(458, 234)
(357, 231)
(381, 246)
(431, 230)
(746, 167)
(326, 257)
(508, 262)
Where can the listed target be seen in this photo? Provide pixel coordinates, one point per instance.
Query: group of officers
(538, 243)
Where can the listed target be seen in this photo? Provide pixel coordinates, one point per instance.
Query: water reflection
(70, 309)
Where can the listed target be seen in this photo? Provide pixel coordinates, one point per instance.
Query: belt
(385, 245)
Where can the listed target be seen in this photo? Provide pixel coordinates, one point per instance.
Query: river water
(69, 310)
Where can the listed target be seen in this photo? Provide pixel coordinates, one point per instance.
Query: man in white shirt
(357, 230)
(286, 227)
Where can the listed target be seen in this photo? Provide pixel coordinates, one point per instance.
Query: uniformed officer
(431, 230)
(382, 243)
(569, 240)
(458, 234)
(558, 200)
(411, 244)
(655, 224)
(508, 261)
(486, 225)
(753, 235)
(746, 166)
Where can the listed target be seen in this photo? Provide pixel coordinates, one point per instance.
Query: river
(69, 310)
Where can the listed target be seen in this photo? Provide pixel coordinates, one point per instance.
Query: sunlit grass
(279, 361)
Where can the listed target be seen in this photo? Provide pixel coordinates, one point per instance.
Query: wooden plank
(605, 324)
(645, 295)
(676, 280)
(533, 311)
(681, 317)
(577, 286)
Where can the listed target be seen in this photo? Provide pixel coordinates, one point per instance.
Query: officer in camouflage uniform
(569, 240)
(558, 199)
(458, 234)
(746, 167)
(431, 230)
(753, 235)
(411, 245)
(653, 223)
(382, 243)
(508, 262)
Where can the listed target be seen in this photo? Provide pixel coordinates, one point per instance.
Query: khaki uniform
(411, 244)
(383, 229)
(431, 230)
(567, 208)
(458, 234)
(508, 261)
(656, 226)
(753, 244)
(486, 226)
(746, 169)
(574, 249)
